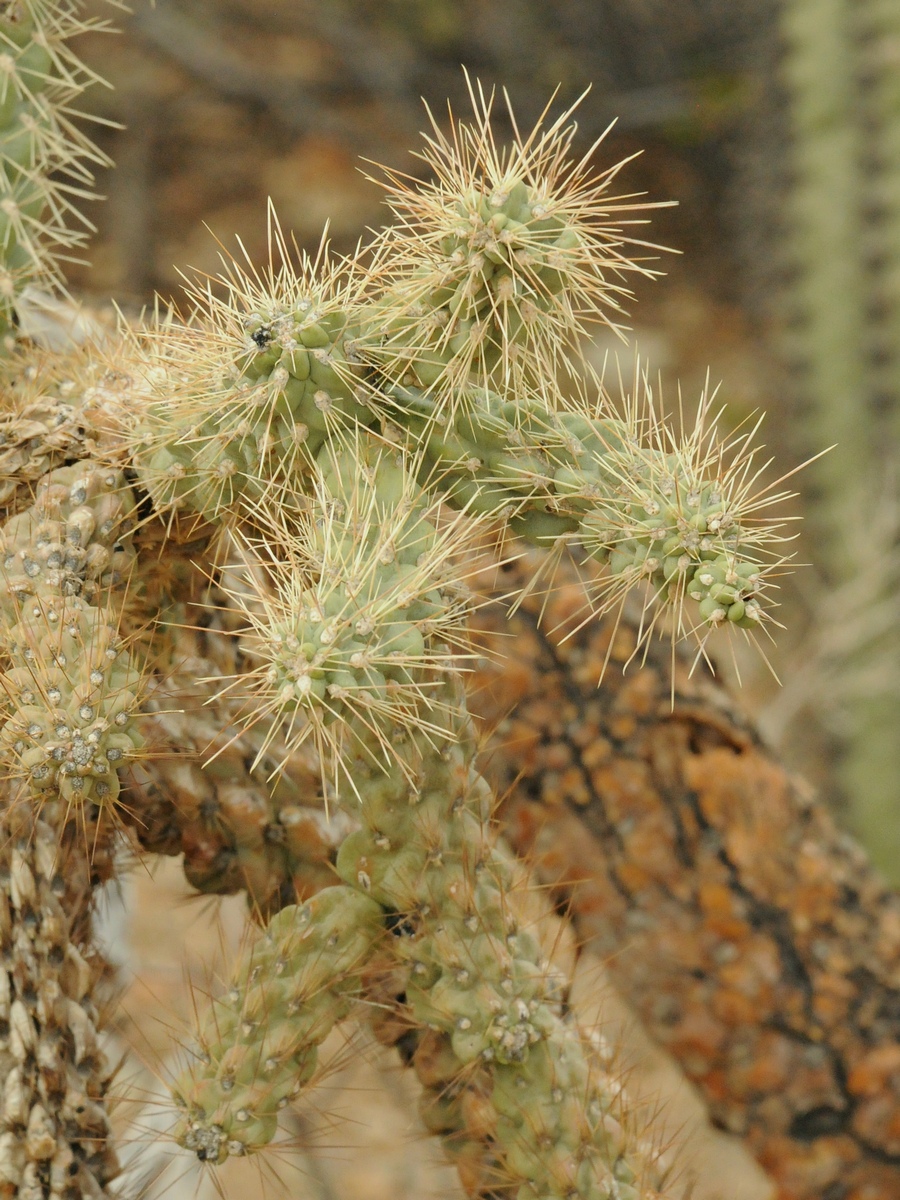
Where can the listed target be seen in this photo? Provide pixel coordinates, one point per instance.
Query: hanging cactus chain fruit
(234, 586)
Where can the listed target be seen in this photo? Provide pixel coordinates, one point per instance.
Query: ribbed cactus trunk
(842, 307)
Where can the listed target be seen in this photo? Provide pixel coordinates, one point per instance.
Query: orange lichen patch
(879, 1068)
(752, 937)
(638, 693)
(768, 1074)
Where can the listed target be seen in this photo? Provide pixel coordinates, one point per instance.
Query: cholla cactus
(45, 157)
(332, 442)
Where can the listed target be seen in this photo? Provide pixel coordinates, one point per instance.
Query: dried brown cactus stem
(54, 1127)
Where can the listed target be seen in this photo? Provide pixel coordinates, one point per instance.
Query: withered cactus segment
(54, 1125)
(206, 791)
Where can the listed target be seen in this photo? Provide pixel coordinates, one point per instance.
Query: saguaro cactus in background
(234, 589)
(843, 308)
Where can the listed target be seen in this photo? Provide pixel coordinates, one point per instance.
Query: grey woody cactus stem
(330, 442)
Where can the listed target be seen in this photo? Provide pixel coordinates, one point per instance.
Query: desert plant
(839, 298)
(332, 441)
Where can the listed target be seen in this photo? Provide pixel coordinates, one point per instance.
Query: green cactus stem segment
(492, 291)
(496, 264)
(426, 859)
(258, 1043)
(226, 440)
(72, 685)
(476, 975)
(45, 161)
(363, 609)
(652, 514)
